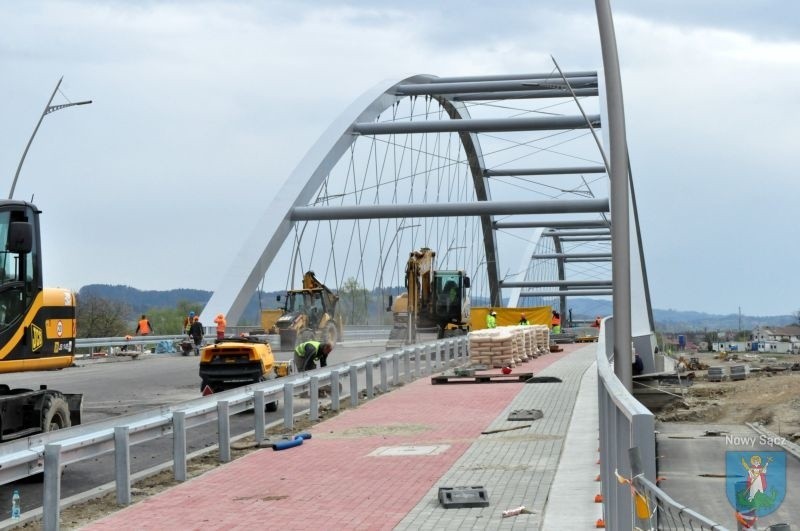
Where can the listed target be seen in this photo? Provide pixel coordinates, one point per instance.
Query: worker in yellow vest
(307, 354)
(491, 319)
(556, 322)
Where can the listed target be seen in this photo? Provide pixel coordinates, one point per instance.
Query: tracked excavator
(309, 313)
(37, 329)
(435, 301)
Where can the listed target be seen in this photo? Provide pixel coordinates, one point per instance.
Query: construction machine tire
(305, 335)
(331, 334)
(55, 413)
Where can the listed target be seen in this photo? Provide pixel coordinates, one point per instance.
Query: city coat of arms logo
(755, 481)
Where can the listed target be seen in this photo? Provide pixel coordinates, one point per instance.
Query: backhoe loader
(309, 313)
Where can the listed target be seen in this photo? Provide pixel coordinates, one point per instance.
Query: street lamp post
(47, 110)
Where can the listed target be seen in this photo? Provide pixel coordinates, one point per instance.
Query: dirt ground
(769, 396)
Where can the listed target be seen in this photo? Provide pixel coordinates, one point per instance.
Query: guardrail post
(354, 386)
(428, 353)
(288, 406)
(224, 428)
(179, 445)
(406, 365)
(51, 495)
(439, 356)
(122, 464)
(384, 375)
(259, 407)
(313, 396)
(334, 390)
(396, 368)
(417, 355)
(370, 370)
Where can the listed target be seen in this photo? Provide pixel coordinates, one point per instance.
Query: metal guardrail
(49, 452)
(628, 428)
(351, 333)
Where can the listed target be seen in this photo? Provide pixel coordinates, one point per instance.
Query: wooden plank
(482, 378)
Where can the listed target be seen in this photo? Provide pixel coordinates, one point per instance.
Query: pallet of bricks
(494, 347)
(541, 344)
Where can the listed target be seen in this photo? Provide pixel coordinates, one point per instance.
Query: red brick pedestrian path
(332, 481)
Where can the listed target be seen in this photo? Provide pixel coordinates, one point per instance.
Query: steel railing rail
(49, 452)
(351, 333)
(627, 428)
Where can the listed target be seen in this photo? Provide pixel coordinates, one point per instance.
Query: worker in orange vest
(596, 323)
(556, 322)
(144, 327)
(220, 320)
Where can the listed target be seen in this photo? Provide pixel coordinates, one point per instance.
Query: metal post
(288, 406)
(384, 375)
(406, 366)
(224, 428)
(354, 386)
(431, 351)
(313, 396)
(179, 445)
(620, 230)
(47, 110)
(122, 464)
(51, 495)
(334, 390)
(396, 369)
(417, 355)
(259, 408)
(370, 367)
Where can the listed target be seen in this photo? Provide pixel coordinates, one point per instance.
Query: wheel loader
(309, 313)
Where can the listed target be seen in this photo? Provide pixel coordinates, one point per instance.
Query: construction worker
(523, 321)
(197, 333)
(307, 354)
(220, 320)
(187, 323)
(491, 319)
(596, 323)
(556, 322)
(144, 328)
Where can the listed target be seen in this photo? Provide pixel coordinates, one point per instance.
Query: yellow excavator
(436, 300)
(37, 329)
(308, 313)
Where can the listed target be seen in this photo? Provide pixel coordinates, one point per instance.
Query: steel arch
(260, 248)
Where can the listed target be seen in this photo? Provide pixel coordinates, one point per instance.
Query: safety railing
(50, 452)
(628, 457)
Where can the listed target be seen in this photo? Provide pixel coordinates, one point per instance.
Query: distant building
(775, 339)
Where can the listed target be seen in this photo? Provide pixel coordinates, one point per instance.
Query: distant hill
(144, 301)
(582, 309)
(684, 320)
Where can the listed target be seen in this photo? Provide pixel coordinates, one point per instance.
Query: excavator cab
(451, 301)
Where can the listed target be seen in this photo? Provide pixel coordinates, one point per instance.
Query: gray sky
(200, 108)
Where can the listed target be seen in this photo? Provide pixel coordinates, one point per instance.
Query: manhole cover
(394, 451)
(525, 414)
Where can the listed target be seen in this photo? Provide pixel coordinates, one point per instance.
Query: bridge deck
(380, 466)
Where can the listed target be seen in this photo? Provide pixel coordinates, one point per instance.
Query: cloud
(199, 113)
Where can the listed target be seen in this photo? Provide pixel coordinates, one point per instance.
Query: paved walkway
(380, 466)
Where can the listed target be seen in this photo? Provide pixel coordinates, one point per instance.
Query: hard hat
(522, 315)
(196, 319)
(494, 312)
(191, 314)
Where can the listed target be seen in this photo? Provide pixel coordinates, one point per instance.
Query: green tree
(167, 321)
(354, 302)
(99, 317)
